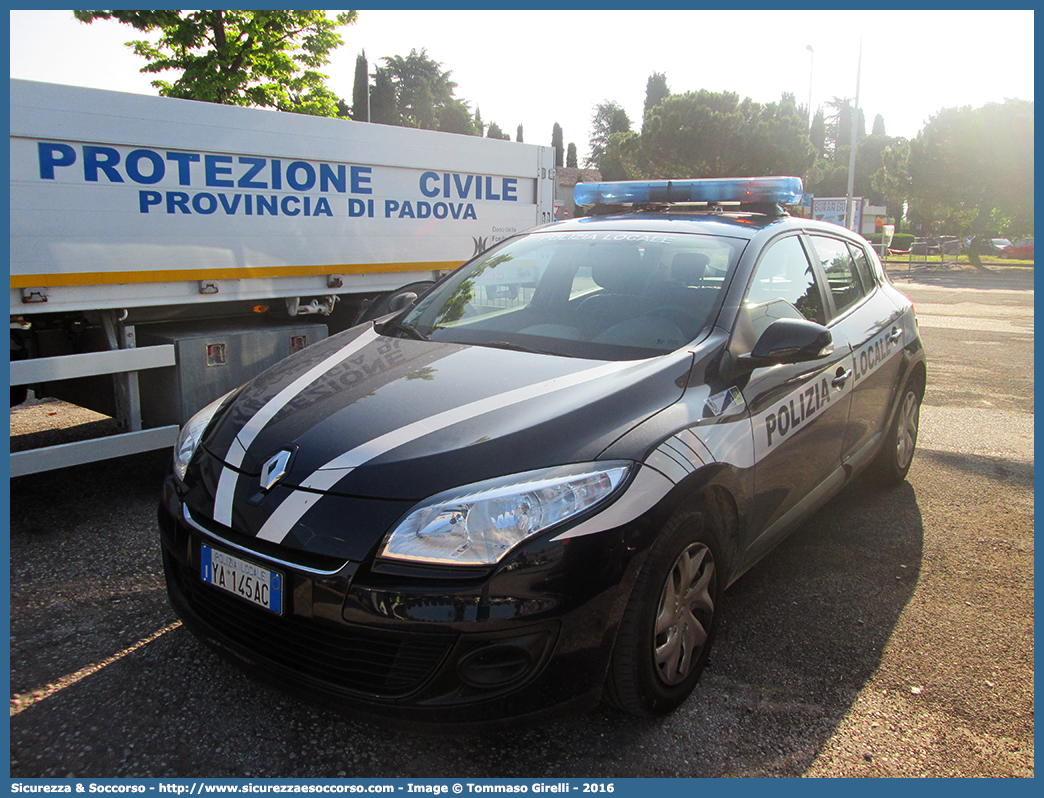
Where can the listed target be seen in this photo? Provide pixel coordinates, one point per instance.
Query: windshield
(601, 295)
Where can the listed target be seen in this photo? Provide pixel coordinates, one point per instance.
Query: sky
(539, 67)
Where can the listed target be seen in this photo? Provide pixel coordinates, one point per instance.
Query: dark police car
(486, 506)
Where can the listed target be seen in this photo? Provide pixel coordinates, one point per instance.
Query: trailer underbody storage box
(213, 360)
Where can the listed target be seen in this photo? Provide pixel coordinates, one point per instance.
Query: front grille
(352, 659)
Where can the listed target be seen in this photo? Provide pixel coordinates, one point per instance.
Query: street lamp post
(850, 209)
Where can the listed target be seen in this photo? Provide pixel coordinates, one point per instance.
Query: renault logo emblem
(274, 469)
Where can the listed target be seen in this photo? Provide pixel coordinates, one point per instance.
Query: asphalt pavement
(891, 635)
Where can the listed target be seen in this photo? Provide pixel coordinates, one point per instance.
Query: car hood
(384, 422)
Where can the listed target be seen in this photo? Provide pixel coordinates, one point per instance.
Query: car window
(607, 295)
(840, 269)
(863, 268)
(784, 286)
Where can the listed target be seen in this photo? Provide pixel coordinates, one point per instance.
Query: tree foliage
(976, 165)
(361, 89)
(253, 58)
(656, 91)
(571, 155)
(415, 91)
(711, 134)
(422, 88)
(455, 117)
(609, 118)
(494, 132)
(556, 142)
(384, 108)
(817, 135)
(880, 170)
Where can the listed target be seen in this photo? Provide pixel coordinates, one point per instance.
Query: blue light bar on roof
(783, 190)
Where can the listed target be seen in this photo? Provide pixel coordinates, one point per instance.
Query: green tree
(839, 129)
(656, 91)
(774, 139)
(252, 58)
(422, 88)
(619, 161)
(570, 155)
(480, 127)
(518, 134)
(556, 142)
(711, 134)
(892, 180)
(609, 117)
(383, 105)
(361, 89)
(695, 134)
(494, 132)
(977, 163)
(818, 132)
(455, 117)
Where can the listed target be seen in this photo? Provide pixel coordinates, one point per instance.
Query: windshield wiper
(405, 327)
(519, 348)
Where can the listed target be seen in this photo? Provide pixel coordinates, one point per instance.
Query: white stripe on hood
(293, 508)
(226, 488)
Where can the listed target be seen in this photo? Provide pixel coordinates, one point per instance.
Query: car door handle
(897, 333)
(841, 378)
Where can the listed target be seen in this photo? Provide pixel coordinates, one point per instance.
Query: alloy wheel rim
(684, 616)
(907, 438)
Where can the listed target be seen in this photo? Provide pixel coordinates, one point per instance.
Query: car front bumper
(530, 638)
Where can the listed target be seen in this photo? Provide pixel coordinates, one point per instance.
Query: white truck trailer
(164, 251)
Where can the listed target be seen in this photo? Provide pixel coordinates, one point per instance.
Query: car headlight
(191, 434)
(478, 524)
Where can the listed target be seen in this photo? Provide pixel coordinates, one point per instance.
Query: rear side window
(840, 268)
(866, 273)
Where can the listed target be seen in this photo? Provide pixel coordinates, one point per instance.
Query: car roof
(736, 225)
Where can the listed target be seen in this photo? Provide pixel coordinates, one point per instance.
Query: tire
(670, 621)
(894, 459)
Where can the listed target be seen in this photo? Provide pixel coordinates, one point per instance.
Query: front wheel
(670, 621)
(893, 461)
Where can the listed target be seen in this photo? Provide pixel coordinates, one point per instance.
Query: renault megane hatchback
(530, 489)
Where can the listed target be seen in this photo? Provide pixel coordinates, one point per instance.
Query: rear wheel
(893, 461)
(670, 621)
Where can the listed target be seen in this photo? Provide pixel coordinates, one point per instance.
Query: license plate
(257, 585)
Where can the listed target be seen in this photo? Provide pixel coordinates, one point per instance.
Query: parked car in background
(995, 246)
(987, 246)
(1020, 250)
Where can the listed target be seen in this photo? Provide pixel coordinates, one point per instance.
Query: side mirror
(790, 341)
(401, 301)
